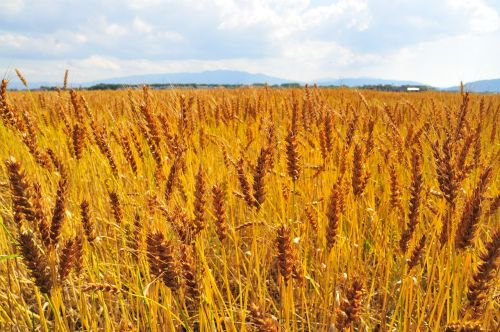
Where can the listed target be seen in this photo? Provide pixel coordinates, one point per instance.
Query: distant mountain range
(245, 78)
(205, 77)
(233, 77)
(480, 86)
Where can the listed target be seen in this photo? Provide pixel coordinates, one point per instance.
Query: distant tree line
(106, 86)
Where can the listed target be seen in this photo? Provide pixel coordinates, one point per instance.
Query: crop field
(249, 209)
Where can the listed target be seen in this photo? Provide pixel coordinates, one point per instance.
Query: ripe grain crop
(249, 209)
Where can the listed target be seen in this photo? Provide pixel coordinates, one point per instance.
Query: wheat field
(249, 209)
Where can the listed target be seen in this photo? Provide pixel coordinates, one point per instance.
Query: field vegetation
(249, 209)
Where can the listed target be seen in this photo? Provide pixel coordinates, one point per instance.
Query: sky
(437, 42)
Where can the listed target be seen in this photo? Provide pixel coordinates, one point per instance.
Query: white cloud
(283, 18)
(96, 62)
(13, 40)
(142, 26)
(12, 6)
(485, 20)
(140, 4)
(80, 38)
(420, 22)
(169, 35)
(46, 45)
(481, 17)
(152, 32)
(115, 30)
